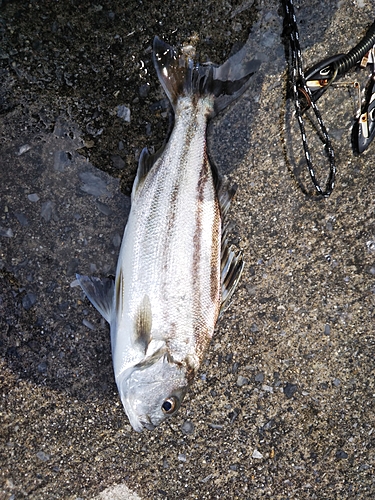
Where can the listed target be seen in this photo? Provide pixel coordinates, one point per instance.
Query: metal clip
(320, 76)
(365, 128)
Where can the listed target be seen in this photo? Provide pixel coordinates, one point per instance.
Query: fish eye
(169, 405)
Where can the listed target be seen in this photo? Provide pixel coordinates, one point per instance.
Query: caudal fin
(180, 75)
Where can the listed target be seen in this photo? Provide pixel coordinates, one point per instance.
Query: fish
(176, 271)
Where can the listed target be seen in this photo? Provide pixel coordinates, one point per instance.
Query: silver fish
(175, 271)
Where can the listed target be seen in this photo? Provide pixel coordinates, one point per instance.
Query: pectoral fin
(143, 323)
(100, 294)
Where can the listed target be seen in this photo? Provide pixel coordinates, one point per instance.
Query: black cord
(349, 60)
(299, 84)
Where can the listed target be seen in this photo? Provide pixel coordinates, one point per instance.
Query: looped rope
(299, 85)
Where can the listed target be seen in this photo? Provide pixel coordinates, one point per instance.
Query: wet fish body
(175, 271)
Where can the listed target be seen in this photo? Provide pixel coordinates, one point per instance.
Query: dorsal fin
(225, 194)
(143, 323)
(231, 269)
(231, 258)
(100, 294)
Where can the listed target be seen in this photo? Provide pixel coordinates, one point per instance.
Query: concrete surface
(283, 407)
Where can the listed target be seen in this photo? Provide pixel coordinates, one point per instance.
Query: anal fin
(145, 163)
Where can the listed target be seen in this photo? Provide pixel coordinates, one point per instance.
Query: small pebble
(165, 464)
(118, 162)
(28, 301)
(8, 233)
(42, 456)
(259, 377)
(187, 427)
(241, 381)
(207, 478)
(182, 457)
(267, 388)
(46, 210)
(123, 112)
(257, 454)
(144, 90)
(341, 454)
(289, 390)
(33, 197)
(42, 367)
(268, 425)
(216, 426)
(327, 330)
(23, 149)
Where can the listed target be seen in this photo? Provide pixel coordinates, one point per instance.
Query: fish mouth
(148, 425)
(146, 422)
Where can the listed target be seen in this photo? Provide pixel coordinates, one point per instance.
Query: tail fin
(180, 75)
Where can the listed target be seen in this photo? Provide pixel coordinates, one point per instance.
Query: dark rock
(290, 390)
(42, 367)
(118, 162)
(28, 301)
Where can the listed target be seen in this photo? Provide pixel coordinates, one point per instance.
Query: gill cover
(152, 391)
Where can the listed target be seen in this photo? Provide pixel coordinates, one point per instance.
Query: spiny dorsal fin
(231, 269)
(225, 194)
(100, 294)
(143, 323)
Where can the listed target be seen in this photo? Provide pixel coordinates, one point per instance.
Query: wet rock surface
(284, 404)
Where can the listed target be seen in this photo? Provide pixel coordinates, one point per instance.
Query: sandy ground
(283, 406)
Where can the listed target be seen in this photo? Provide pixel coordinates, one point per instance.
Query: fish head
(153, 391)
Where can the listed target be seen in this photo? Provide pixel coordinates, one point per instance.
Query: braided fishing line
(299, 84)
